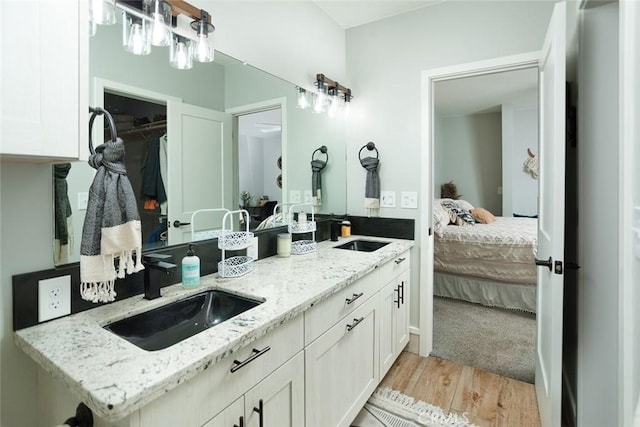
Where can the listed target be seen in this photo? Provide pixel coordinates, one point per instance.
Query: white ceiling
(352, 13)
(484, 94)
(263, 124)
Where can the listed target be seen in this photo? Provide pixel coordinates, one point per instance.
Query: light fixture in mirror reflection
(225, 90)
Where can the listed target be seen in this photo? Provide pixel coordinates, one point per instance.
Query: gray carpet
(496, 340)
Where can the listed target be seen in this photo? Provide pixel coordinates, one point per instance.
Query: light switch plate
(307, 196)
(387, 199)
(54, 298)
(83, 201)
(294, 196)
(409, 200)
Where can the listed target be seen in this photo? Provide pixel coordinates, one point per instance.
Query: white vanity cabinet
(278, 400)
(341, 366)
(44, 72)
(264, 370)
(394, 310)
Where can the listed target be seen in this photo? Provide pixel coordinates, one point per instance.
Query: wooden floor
(485, 398)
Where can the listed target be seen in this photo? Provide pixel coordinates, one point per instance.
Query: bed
(490, 264)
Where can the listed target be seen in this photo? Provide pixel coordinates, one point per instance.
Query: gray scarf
(316, 180)
(111, 228)
(372, 185)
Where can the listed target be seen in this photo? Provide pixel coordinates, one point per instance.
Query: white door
(198, 157)
(551, 220)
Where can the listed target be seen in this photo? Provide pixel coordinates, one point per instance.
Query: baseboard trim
(569, 407)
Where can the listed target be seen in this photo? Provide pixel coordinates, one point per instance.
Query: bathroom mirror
(228, 87)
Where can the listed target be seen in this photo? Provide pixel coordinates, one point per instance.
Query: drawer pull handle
(260, 411)
(355, 323)
(353, 298)
(397, 302)
(399, 260)
(401, 292)
(256, 353)
(241, 422)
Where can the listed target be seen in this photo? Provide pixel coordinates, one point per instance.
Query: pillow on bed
(483, 216)
(440, 218)
(464, 204)
(458, 215)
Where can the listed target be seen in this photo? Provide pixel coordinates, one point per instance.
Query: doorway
(484, 276)
(429, 79)
(142, 124)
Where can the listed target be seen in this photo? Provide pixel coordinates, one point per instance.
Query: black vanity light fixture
(147, 23)
(330, 97)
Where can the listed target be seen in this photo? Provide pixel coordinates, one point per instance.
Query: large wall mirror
(222, 129)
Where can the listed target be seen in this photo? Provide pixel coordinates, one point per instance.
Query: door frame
(100, 85)
(428, 79)
(628, 296)
(256, 107)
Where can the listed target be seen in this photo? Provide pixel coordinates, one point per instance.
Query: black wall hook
(370, 146)
(323, 149)
(97, 111)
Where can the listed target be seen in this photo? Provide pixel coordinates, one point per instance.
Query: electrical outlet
(409, 200)
(252, 251)
(54, 298)
(294, 196)
(307, 196)
(83, 201)
(387, 199)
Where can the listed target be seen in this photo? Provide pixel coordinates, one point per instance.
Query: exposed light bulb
(332, 111)
(159, 31)
(102, 12)
(318, 102)
(203, 52)
(303, 99)
(180, 54)
(138, 43)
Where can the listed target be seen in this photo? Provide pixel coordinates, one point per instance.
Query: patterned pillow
(458, 215)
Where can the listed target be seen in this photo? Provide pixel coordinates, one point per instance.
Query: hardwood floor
(487, 399)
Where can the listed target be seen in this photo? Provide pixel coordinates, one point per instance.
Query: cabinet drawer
(394, 267)
(326, 313)
(199, 399)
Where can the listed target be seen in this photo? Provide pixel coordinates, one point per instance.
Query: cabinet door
(230, 416)
(401, 321)
(44, 74)
(341, 368)
(279, 398)
(388, 328)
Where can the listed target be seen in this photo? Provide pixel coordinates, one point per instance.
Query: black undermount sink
(167, 325)
(362, 245)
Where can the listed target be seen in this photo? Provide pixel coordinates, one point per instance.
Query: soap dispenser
(190, 269)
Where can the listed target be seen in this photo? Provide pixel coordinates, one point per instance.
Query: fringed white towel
(531, 166)
(112, 232)
(316, 181)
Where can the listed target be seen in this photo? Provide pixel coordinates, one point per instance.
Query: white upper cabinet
(44, 79)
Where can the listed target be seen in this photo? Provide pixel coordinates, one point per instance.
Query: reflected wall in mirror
(203, 160)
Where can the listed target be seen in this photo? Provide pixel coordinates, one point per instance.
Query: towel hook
(369, 146)
(323, 150)
(97, 111)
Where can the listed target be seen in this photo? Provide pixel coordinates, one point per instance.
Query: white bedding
(503, 251)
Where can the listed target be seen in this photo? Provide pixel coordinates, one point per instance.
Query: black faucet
(155, 266)
(336, 226)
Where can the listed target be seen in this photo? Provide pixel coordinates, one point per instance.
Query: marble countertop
(115, 378)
